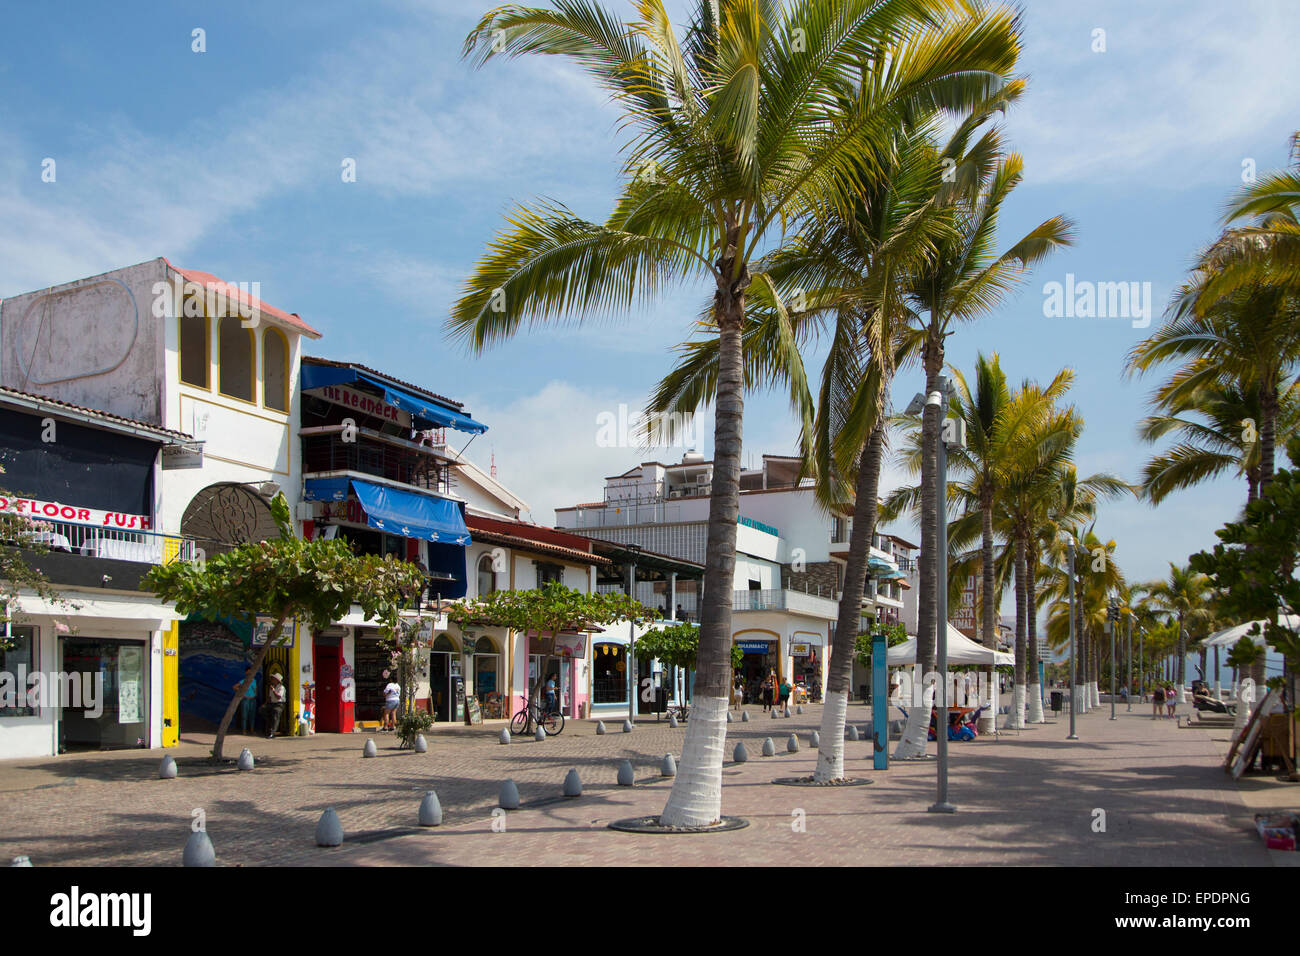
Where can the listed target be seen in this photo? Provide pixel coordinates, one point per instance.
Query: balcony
(405, 462)
(143, 547)
(785, 599)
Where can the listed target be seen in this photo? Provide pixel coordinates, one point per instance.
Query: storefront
(372, 669)
(116, 668)
(608, 674)
(761, 658)
(569, 649)
(487, 685)
(446, 683)
(807, 659)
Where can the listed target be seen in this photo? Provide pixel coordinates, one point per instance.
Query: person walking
(768, 690)
(392, 700)
(1157, 701)
(248, 706)
(1171, 699)
(275, 697)
(783, 694)
(550, 694)
(738, 693)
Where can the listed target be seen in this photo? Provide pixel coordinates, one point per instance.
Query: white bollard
(370, 750)
(199, 850)
(508, 799)
(421, 745)
(329, 829)
(167, 771)
(740, 755)
(430, 810)
(769, 748)
(625, 776)
(245, 759)
(668, 768)
(504, 736)
(792, 745)
(572, 784)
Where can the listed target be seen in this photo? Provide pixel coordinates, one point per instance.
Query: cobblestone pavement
(1031, 798)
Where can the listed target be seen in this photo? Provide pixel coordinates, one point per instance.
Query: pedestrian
(392, 700)
(783, 692)
(248, 706)
(768, 689)
(1157, 701)
(275, 697)
(1171, 699)
(681, 615)
(550, 694)
(738, 693)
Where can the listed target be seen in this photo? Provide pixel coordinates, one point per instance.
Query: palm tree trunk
(1034, 713)
(830, 752)
(1267, 430)
(1017, 720)
(1081, 640)
(696, 796)
(915, 733)
(1182, 663)
(988, 608)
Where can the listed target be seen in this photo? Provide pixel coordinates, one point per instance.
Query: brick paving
(1023, 799)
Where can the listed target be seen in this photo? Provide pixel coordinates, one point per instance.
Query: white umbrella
(1229, 636)
(961, 650)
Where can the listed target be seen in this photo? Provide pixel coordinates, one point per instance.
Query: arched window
(193, 345)
(275, 370)
(443, 644)
(484, 645)
(235, 355)
(487, 579)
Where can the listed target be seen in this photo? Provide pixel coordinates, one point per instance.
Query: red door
(327, 689)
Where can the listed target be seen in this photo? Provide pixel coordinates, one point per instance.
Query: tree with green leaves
(1185, 595)
(20, 532)
(750, 123)
(286, 579)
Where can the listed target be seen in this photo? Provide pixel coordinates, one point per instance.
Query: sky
(230, 161)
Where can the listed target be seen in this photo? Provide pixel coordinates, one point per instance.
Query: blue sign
(753, 647)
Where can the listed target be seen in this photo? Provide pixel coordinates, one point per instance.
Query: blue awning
(406, 513)
(878, 565)
(319, 376)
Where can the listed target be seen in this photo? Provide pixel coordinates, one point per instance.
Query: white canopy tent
(1231, 635)
(961, 650)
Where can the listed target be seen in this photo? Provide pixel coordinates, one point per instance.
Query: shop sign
(54, 511)
(366, 404)
(571, 646)
(262, 630)
(753, 647)
(802, 649)
(175, 457)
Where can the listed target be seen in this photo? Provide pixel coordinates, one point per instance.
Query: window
(275, 370)
(487, 579)
(194, 349)
(608, 673)
(21, 655)
(235, 356)
(547, 572)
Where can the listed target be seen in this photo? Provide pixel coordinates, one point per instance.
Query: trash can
(1058, 701)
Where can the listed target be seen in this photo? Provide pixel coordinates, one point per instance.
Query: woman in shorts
(1157, 701)
(1171, 699)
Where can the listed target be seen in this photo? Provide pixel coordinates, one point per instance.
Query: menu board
(472, 713)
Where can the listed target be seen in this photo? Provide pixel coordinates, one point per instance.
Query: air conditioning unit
(701, 479)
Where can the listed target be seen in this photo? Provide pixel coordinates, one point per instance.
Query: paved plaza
(1029, 798)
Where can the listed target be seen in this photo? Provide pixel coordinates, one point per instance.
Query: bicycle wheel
(519, 723)
(553, 723)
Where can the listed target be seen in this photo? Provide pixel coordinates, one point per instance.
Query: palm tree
(741, 130)
(963, 281)
(1185, 595)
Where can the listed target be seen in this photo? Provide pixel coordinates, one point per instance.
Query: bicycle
(533, 715)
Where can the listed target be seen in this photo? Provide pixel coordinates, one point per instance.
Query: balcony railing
(145, 547)
(326, 453)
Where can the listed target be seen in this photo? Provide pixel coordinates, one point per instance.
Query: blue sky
(228, 161)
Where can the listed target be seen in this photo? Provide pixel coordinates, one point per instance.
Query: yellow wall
(171, 709)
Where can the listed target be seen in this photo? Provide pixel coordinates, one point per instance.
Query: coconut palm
(1185, 595)
(741, 130)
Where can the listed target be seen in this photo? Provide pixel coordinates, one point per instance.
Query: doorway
(327, 688)
(440, 685)
(117, 717)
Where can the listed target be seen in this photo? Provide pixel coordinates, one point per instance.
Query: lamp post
(1112, 615)
(1074, 682)
(1128, 653)
(1142, 677)
(952, 432)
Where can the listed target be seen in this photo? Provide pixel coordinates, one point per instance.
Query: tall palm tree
(741, 129)
(966, 279)
(1185, 595)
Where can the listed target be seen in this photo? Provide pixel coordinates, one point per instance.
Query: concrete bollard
(329, 829)
(421, 745)
(672, 720)
(21, 861)
(245, 759)
(787, 711)
(769, 748)
(728, 716)
(740, 755)
(504, 736)
(430, 810)
(798, 708)
(167, 770)
(625, 776)
(744, 716)
(508, 799)
(850, 732)
(814, 740)
(600, 726)
(539, 734)
(627, 726)
(199, 850)
(572, 784)
(669, 766)
(774, 714)
(370, 750)
(792, 745)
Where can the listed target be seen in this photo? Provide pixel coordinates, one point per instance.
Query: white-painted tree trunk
(916, 731)
(1182, 693)
(1035, 714)
(1016, 719)
(1244, 703)
(1096, 694)
(696, 797)
(830, 752)
(1080, 699)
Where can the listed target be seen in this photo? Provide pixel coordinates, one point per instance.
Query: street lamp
(951, 433)
(1128, 653)
(1074, 682)
(1112, 615)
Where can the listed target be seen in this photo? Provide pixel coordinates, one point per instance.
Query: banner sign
(753, 647)
(571, 646)
(366, 404)
(54, 511)
(800, 649)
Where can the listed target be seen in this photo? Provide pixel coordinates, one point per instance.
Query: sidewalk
(1023, 799)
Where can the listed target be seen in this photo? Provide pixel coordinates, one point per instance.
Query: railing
(323, 453)
(145, 547)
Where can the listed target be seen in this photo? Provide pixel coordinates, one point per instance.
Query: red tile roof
(217, 284)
